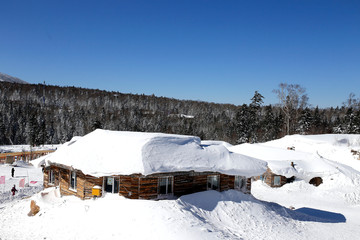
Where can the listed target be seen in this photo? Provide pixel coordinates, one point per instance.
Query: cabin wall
(183, 184)
(248, 185)
(137, 186)
(91, 182)
(129, 186)
(268, 178)
(225, 183)
(46, 177)
(148, 187)
(64, 183)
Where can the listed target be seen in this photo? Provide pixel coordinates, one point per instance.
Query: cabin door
(111, 184)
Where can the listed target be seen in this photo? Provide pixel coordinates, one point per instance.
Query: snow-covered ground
(330, 211)
(33, 180)
(26, 148)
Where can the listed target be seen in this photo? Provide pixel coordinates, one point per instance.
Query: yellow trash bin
(96, 191)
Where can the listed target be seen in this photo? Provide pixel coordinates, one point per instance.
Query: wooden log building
(147, 166)
(274, 180)
(137, 186)
(11, 157)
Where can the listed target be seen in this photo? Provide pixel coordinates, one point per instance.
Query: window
(51, 177)
(111, 184)
(213, 182)
(276, 180)
(239, 182)
(165, 185)
(73, 180)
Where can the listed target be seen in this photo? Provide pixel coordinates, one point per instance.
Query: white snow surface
(313, 155)
(26, 148)
(104, 153)
(329, 211)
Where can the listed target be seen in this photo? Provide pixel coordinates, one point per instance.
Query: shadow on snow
(208, 201)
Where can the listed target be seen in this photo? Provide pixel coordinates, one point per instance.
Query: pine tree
(242, 124)
(305, 121)
(254, 116)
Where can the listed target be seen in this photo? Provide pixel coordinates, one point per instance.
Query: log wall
(91, 182)
(268, 178)
(46, 177)
(148, 188)
(138, 186)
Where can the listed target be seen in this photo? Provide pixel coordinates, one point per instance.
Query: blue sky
(216, 51)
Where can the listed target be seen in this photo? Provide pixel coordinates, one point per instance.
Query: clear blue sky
(217, 51)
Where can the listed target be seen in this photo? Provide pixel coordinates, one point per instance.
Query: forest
(39, 114)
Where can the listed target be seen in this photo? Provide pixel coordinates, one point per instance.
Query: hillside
(7, 78)
(42, 114)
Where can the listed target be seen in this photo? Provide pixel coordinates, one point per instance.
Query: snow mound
(306, 165)
(104, 152)
(205, 215)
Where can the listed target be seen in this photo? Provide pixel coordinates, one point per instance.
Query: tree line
(39, 114)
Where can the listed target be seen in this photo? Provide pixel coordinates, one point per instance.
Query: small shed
(274, 180)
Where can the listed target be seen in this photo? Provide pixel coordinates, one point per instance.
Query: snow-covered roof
(103, 153)
(307, 164)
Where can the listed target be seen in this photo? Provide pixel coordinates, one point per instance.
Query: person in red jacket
(13, 190)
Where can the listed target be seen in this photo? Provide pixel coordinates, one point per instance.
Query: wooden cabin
(146, 166)
(11, 157)
(274, 180)
(137, 186)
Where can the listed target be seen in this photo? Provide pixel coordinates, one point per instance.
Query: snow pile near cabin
(327, 156)
(104, 152)
(334, 147)
(313, 155)
(306, 164)
(204, 215)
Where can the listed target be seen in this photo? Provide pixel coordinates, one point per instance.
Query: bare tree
(352, 102)
(292, 98)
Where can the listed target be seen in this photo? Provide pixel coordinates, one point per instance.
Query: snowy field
(26, 148)
(330, 211)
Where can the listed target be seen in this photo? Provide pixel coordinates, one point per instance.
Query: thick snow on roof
(307, 164)
(104, 152)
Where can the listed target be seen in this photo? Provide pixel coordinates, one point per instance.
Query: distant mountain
(7, 78)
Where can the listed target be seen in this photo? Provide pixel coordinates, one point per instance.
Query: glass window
(165, 185)
(73, 180)
(276, 180)
(111, 184)
(51, 177)
(213, 182)
(239, 182)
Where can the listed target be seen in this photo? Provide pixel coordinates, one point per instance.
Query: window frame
(51, 176)
(210, 180)
(75, 181)
(114, 186)
(169, 182)
(239, 179)
(275, 182)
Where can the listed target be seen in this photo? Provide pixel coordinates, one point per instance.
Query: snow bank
(25, 148)
(307, 165)
(104, 152)
(205, 215)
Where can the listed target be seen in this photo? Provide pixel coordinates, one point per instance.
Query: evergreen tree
(32, 130)
(305, 121)
(242, 124)
(254, 116)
